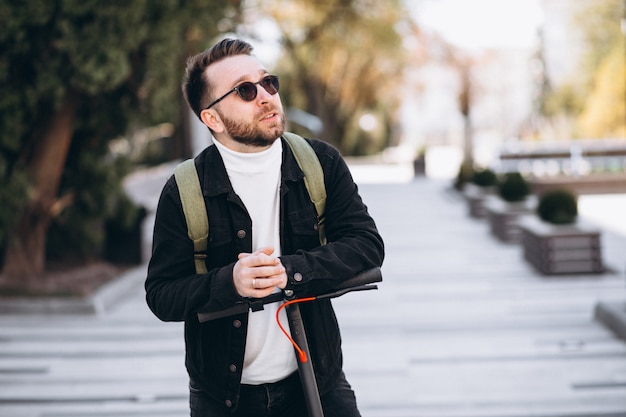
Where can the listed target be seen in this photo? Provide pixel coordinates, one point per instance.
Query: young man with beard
(263, 238)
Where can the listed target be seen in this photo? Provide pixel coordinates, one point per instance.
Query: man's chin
(275, 133)
(257, 142)
(261, 137)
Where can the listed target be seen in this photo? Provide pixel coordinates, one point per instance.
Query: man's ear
(212, 120)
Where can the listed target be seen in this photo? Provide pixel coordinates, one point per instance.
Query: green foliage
(126, 213)
(594, 97)
(484, 177)
(14, 194)
(565, 100)
(95, 186)
(122, 63)
(558, 207)
(599, 22)
(513, 187)
(604, 113)
(343, 60)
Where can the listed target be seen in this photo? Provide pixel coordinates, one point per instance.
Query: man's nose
(262, 93)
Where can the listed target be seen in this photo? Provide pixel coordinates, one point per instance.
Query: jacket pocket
(220, 246)
(303, 226)
(219, 233)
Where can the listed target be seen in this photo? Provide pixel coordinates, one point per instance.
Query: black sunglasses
(248, 90)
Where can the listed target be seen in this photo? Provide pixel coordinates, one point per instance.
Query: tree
(604, 110)
(465, 104)
(343, 60)
(604, 114)
(75, 74)
(600, 23)
(593, 100)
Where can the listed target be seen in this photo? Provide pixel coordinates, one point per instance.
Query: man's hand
(257, 274)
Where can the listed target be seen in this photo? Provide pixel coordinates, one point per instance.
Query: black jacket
(215, 349)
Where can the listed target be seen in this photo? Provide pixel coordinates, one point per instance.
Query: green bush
(513, 187)
(558, 207)
(485, 178)
(95, 181)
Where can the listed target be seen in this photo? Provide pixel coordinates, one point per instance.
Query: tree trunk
(465, 105)
(25, 255)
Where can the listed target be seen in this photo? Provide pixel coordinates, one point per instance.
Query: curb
(613, 316)
(101, 301)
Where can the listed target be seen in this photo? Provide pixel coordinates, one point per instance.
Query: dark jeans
(282, 399)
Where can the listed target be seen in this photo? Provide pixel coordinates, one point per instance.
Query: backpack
(195, 211)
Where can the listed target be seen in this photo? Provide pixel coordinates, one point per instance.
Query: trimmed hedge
(558, 207)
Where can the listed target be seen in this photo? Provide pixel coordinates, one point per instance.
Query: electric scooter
(361, 282)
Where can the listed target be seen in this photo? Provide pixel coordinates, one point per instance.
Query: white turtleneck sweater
(255, 177)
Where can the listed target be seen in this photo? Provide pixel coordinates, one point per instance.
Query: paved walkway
(461, 326)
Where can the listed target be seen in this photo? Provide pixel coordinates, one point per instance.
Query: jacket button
(228, 403)
(241, 234)
(237, 324)
(232, 368)
(297, 277)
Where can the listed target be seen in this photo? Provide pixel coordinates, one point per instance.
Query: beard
(251, 134)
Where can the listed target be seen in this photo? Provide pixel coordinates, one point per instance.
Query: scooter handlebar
(358, 282)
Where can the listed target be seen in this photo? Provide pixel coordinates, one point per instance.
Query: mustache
(268, 108)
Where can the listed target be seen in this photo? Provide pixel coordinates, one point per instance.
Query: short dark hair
(196, 87)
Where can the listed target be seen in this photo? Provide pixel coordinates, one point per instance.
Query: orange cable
(301, 353)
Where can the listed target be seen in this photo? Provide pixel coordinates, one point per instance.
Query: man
(263, 237)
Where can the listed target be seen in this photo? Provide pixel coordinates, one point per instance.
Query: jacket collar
(215, 180)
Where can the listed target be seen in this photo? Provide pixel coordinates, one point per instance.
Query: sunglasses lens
(270, 84)
(247, 91)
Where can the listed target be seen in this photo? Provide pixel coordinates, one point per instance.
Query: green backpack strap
(313, 176)
(194, 209)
